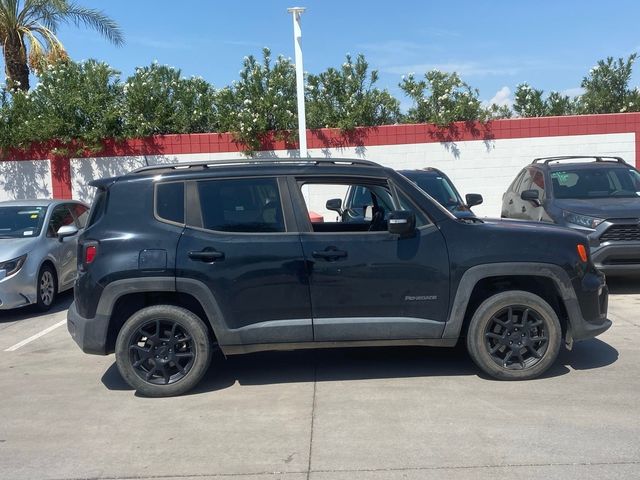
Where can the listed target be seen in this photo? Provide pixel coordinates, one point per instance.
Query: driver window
(60, 217)
(344, 207)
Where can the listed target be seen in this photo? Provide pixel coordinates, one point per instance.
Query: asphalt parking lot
(346, 414)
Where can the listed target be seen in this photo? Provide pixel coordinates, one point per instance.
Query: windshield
(21, 221)
(440, 189)
(602, 182)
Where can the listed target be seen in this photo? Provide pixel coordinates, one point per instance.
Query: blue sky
(491, 44)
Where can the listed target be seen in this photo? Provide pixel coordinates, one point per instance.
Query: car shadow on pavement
(347, 364)
(623, 286)
(62, 303)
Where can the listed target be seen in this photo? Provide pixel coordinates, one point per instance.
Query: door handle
(524, 209)
(206, 255)
(330, 254)
(511, 202)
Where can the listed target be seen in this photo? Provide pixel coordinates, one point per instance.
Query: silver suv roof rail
(597, 158)
(253, 161)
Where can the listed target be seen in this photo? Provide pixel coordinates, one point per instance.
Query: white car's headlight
(582, 220)
(12, 266)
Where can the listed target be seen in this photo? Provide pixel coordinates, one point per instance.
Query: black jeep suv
(178, 259)
(599, 196)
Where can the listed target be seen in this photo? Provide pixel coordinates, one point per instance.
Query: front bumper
(18, 290)
(89, 333)
(617, 258)
(588, 316)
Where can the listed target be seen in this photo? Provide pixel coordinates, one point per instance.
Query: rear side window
(249, 205)
(170, 201)
(97, 207)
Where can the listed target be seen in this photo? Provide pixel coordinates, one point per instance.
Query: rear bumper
(617, 258)
(89, 333)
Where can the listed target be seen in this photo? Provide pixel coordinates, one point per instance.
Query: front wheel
(514, 335)
(47, 288)
(163, 350)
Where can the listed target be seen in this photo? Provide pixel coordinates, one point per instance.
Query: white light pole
(297, 41)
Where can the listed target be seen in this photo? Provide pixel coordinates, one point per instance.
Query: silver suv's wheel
(514, 335)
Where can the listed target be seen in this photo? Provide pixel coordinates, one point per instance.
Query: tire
(46, 288)
(163, 350)
(500, 326)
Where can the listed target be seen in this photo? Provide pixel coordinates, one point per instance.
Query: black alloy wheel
(516, 337)
(162, 352)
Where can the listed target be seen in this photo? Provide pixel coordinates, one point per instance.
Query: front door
(241, 244)
(367, 284)
(65, 250)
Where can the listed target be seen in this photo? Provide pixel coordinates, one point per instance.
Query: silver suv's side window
(249, 205)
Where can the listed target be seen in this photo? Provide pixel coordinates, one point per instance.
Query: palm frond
(91, 18)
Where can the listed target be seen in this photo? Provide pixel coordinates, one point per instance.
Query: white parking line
(36, 336)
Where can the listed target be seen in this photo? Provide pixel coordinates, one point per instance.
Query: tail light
(90, 253)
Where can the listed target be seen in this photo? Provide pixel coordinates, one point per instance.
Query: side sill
(264, 347)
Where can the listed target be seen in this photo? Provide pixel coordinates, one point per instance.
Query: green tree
(74, 102)
(158, 100)
(261, 101)
(28, 33)
(346, 98)
(497, 112)
(606, 87)
(528, 101)
(441, 98)
(559, 105)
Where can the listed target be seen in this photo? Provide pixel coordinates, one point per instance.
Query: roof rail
(253, 161)
(597, 158)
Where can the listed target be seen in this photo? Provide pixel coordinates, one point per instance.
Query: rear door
(367, 284)
(240, 241)
(510, 200)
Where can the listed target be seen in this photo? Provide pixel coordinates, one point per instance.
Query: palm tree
(28, 33)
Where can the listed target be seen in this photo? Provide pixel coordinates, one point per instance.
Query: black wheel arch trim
(473, 275)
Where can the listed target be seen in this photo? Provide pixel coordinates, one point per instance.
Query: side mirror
(402, 222)
(473, 199)
(335, 205)
(67, 231)
(532, 196)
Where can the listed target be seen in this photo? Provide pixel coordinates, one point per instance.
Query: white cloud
(502, 97)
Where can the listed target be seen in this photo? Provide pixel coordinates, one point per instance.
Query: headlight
(12, 266)
(582, 220)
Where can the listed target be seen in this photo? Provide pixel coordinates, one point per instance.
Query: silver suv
(38, 241)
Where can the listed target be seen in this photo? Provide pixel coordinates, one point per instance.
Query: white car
(38, 242)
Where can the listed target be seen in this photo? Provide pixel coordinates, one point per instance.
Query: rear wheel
(163, 350)
(47, 288)
(514, 335)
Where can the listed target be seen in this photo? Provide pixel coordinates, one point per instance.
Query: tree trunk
(15, 60)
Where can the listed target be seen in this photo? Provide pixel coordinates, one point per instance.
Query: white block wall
(485, 167)
(25, 179)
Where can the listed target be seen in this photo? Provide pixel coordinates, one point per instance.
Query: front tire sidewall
(195, 328)
(476, 344)
(40, 304)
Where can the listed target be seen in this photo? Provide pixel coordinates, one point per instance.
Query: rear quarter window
(98, 207)
(170, 202)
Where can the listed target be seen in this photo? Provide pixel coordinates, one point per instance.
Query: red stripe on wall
(335, 138)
